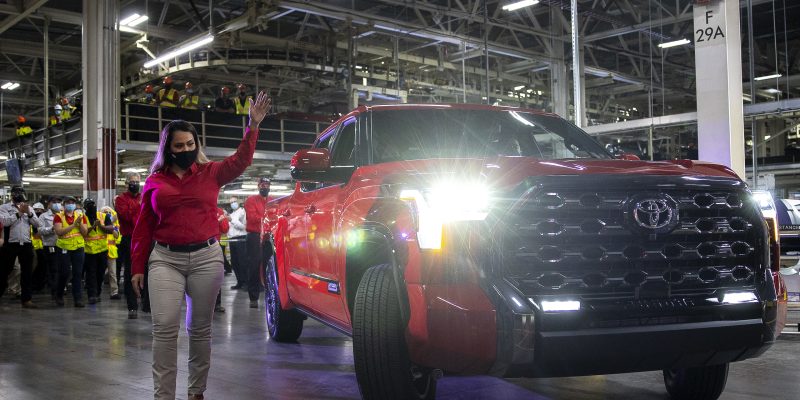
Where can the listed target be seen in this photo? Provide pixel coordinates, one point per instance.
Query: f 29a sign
(710, 31)
(709, 25)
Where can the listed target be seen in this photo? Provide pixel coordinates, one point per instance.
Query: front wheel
(383, 368)
(703, 383)
(283, 325)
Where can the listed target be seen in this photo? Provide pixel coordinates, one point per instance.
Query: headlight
(442, 204)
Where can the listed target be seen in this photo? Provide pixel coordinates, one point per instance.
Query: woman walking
(175, 236)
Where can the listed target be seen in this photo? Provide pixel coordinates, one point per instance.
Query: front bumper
(615, 337)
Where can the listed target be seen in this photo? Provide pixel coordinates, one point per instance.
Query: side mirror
(314, 165)
(628, 157)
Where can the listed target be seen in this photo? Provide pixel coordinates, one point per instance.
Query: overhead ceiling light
(134, 170)
(520, 87)
(763, 78)
(68, 181)
(139, 20)
(9, 86)
(674, 43)
(126, 21)
(181, 50)
(58, 173)
(519, 4)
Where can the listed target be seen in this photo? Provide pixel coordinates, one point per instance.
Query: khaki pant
(197, 276)
(111, 276)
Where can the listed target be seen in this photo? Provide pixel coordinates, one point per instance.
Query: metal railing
(142, 123)
(47, 146)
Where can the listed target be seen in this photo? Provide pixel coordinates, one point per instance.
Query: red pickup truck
(469, 239)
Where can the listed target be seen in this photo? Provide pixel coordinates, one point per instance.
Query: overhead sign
(709, 26)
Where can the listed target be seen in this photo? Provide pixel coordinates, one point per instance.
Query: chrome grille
(560, 238)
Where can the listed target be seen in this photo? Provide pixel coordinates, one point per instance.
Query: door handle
(311, 209)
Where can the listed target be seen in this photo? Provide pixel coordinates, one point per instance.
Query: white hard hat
(38, 205)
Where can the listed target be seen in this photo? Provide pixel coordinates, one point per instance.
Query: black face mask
(133, 187)
(184, 159)
(263, 192)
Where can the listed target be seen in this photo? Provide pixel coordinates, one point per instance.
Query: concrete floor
(97, 353)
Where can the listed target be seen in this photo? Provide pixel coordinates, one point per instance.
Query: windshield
(457, 133)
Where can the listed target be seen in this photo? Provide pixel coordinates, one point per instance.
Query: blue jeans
(75, 259)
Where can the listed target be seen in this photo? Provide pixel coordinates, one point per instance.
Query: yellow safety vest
(24, 130)
(53, 120)
(112, 241)
(97, 240)
(242, 109)
(167, 101)
(190, 101)
(73, 240)
(36, 240)
(66, 113)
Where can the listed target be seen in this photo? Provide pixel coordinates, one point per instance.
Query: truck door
(326, 206)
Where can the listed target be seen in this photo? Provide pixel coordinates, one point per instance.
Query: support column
(579, 95)
(559, 80)
(101, 99)
(46, 45)
(718, 60)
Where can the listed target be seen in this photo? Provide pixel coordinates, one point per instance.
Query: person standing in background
(223, 103)
(242, 102)
(223, 228)
(167, 96)
(57, 276)
(127, 205)
(71, 226)
(255, 207)
(40, 273)
(100, 226)
(189, 100)
(113, 253)
(237, 237)
(18, 216)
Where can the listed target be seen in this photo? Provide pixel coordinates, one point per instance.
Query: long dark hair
(160, 161)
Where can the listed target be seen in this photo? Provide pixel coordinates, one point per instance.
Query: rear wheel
(703, 383)
(283, 325)
(383, 367)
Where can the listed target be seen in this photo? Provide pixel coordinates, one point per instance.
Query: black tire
(703, 383)
(383, 368)
(283, 325)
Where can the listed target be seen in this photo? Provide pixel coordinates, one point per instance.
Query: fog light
(560, 305)
(739, 297)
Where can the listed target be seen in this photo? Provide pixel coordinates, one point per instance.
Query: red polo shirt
(254, 208)
(127, 206)
(223, 225)
(181, 211)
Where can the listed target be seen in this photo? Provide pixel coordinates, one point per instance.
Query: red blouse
(181, 211)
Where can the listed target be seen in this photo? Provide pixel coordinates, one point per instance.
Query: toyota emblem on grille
(653, 213)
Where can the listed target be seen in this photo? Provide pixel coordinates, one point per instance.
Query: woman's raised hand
(259, 109)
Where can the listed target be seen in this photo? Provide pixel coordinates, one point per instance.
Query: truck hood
(510, 171)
